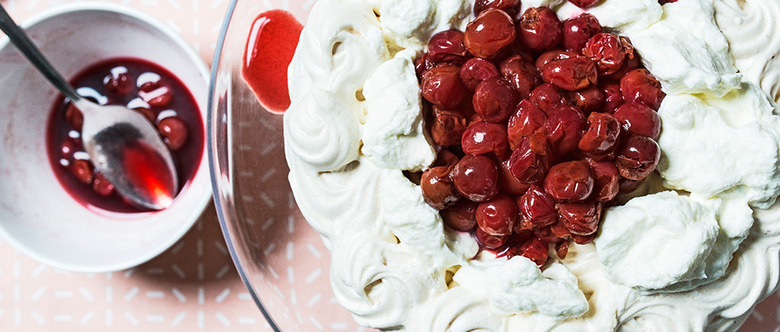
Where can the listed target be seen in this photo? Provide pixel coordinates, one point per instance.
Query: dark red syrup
(142, 86)
(269, 50)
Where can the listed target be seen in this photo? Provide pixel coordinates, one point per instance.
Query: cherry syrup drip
(269, 50)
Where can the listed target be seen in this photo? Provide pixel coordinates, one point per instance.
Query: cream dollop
(655, 241)
(686, 50)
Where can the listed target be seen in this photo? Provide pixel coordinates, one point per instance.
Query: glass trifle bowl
(286, 262)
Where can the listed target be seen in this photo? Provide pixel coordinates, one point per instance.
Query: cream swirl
(751, 29)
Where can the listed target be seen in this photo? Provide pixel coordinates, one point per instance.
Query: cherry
(637, 157)
(174, 132)
(613, 97)
(74, 118)
(548, 56)
(156, 95)
(589, 99)
(608, 51)
(578, 30)
(629, 64)
(70, 146)
(101, 185)
(607, 180)
(442, 86)
(447, 127)
(602, 133)
(529, 165)
(437, 189)
(485, 138)
(476, 177)
(639, 119)
(491, 31)
(494, 100)
(571, 73)
(461, 216)
(497, 216)
(82, 169)
(118, 81)
(476, 70)
(570, 181)
(527, 120)
(447, 46)
(536, 250)
(521, 74)
(547, 97)
(580, 218)
(540, 29)
(487, 241)
(642, 87)
(507, 182)
(565, 126)
(584, 3)
(509, 6)
(537, 207)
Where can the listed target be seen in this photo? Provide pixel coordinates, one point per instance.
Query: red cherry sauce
(269, 50)
(147, 171)
(142, 86)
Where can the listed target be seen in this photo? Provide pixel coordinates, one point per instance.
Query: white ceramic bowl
(37, 216)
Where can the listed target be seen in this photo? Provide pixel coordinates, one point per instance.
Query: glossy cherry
(639, 119)
(527, 120)
(540, 29)
(602, 133)
(494, 100)
(476, 177)
(570, 181)
(497, 216)
(565, 126)
(571, 73)
(442, 86)
(447, 127)
(476, 70)
(580, 218)
(521, 74)
(491, 31)
(578, 30)
(637, 157)
(485, 138)
(461, 216)
(639, 85)
(447, 46)
(537, 207)
(547, 97)
(437, 188)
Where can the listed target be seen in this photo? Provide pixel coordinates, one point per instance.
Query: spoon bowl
(122, 144)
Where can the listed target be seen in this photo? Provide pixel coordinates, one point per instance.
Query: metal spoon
(122, 144)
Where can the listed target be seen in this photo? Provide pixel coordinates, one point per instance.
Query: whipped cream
(355, 124)
(655, 241)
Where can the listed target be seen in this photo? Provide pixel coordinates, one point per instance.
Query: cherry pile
(142, 86)
(540, 125)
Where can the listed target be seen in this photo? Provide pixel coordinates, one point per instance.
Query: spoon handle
(25, 45)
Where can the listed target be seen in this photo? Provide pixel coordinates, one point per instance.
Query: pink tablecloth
(193, 285)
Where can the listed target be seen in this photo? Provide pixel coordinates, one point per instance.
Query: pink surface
(193, 285)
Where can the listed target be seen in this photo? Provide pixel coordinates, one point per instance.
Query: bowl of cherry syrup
(54, 205)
